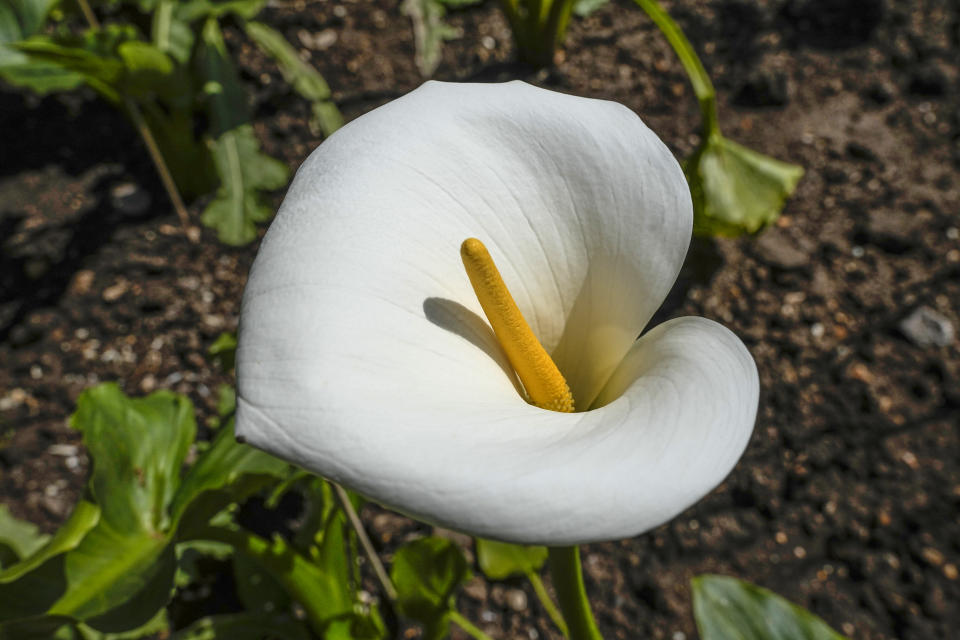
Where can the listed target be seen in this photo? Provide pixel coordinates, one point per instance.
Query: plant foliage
(169, 79)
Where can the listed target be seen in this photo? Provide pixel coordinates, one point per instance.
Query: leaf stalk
(568, 582)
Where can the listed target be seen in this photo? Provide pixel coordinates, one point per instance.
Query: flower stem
(134, 113)
(166, 178)
(378, 569)
(568, 581)
(547, 601)
(702, 86)
(457, 618)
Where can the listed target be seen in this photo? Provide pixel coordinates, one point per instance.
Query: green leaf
(244, 626)
(459, 4)
(138, 446)
(155, 627)
(35, 628)
(170, 32)
(319, 592)
(257, 589)
(100, 72)
(84, 517)
(189, 159)
(146, 69)
(305, 80)
(730, 609)
(429, 32)
(18, 538)
(226, 400)
(227, 98)
(736, 190)
(191, 552)
(226, 472)
(223, 351)
(20, 19)
(195, 9)
(583, 8)
(112, 565)
(501, 560)
(426, 573)
(244, 172)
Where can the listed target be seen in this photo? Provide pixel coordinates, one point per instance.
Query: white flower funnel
(364, 355)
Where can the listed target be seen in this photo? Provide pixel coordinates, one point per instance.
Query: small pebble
(517, 600)
(115, 291)
(779, 250)
(926, 327)
(65, 450)
(129, 199)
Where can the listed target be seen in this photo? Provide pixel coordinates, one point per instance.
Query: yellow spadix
(542, 380)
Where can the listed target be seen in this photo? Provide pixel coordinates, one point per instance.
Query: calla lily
(364, 355)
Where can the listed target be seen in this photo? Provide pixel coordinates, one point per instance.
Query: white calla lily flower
(364, 355)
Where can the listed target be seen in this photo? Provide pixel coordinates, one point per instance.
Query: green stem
(468, 626)
(702, 86)
(88, 14)
(538, 27)
(568, 582)
(547, 601)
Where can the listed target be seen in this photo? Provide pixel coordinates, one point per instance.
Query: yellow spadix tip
(541, 378)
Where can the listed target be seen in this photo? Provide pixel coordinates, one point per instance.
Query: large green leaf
(735, 189)
(244, 171)
(305, 80)
(244, 626)
(18, 538)
(426, 572)
(501, 560)
(729, 609)
(138, 446)
(112, 565)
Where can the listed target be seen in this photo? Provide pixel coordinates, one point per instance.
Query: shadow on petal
(457, 319)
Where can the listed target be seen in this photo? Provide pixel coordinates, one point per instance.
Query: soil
(846, 500)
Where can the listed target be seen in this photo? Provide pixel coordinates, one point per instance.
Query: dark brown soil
(846, 500)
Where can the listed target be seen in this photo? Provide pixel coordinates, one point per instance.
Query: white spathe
(364, 355)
